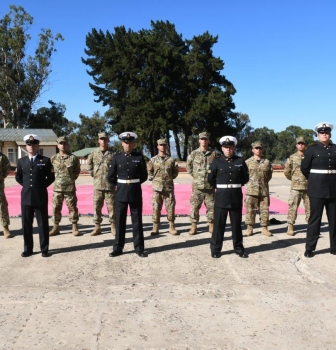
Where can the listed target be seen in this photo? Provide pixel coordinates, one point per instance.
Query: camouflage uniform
(162, 171)
(298, 187)
(98, 166)
(66, 169)
(4, 171)
(257, 191)
(198, 165)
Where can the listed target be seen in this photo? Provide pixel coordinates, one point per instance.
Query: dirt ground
(177, 298)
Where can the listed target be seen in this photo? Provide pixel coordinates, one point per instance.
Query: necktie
(31, 161)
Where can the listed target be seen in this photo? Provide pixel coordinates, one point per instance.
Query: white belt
(317, 171)
(130, 181)
(229, 186)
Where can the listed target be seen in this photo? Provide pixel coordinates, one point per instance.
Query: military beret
(228, 141)
(256, 144)
(32, 139)
(204, 135)
(128, 136)
(324, 126)
(161, 142)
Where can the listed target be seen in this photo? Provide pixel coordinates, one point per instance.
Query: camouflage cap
(256, 144)
(102, 135)
(301, 139)
(63, 139)
(204, 135)
(161, 142)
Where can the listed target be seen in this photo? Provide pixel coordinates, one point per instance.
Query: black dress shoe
(308, 254)
(142, 254)
(45, 254)
(215, 255)
(115, 253)
(243, 255)
(26, 254)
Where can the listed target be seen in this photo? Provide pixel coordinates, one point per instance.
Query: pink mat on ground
(85, 206)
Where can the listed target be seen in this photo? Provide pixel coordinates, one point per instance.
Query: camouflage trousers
(157, 201)
(98, 202)
(252, 204)
(4, 216)
(294, 200)
(196, 200)
(71, 202)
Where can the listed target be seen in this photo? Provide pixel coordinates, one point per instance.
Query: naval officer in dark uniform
(34, 173)
(319, 167)
(128, 171)
(228, 174)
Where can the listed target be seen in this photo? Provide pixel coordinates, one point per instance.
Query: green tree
(287, 140)
(50, 118)
(22, 76)
(208, 95)
(269, 140)
(85, 133)
(243, 128)
(156, 83)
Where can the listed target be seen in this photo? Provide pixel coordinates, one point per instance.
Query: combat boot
(193, 229)
(96, 231)
(264, 231)
(75, 230)
(155, 230)
(113, 228)
(290, 230)
(55, 230)
(210, 227)
(172, 229)
(249, 231)
(6, 232)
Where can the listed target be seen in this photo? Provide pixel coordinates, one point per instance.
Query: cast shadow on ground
(193, 241)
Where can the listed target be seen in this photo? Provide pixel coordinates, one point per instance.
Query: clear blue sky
(279, 54)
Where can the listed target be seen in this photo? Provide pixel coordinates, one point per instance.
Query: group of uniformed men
(217, 182)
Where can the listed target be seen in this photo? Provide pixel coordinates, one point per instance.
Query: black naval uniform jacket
(228, 171)
(128, 167)
(34, 180)
(321, 191)
(320, 157)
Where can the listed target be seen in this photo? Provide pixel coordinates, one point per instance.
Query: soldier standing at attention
(257, 190)
(319, 167)
(4, 216)
(128, 171)
(99, 162)
(162, 170)
(34, 173)
(198, 164)
(298, 185)
(66, 168)
(228, 174)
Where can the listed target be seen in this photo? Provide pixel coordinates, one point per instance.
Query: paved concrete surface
(177, 298)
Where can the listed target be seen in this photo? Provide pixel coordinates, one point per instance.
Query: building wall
(48, 151)
(14, 152)
(10, 149)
